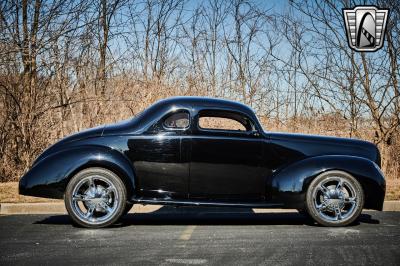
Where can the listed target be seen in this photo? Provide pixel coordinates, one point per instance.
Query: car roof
(205, 102)
(156, 111)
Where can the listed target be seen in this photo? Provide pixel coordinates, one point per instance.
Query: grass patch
(392, 189)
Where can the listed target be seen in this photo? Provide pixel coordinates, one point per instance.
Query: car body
(162, 163)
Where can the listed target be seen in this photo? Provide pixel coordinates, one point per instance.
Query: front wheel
(95, 197)
(334, 198)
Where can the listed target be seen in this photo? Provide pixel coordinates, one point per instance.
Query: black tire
(101, 178)
(304, 213)
(325, 207)
(128, 207)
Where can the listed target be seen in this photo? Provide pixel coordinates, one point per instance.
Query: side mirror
(254, 133)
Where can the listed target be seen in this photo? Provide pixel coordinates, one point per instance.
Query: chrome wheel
(335, 198)
(95, 197)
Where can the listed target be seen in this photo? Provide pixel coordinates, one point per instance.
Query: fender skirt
(49, 176)
(290, 184)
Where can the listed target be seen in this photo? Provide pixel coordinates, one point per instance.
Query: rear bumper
(376, 201)
(375, 190)
(34, 184)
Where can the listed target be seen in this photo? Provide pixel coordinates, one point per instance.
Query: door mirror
(254, 133)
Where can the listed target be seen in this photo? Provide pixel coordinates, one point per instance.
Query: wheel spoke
(91, 182)
(89, 213)
(109, 190)
(108, 208)
(338, 214)
(324, 190)
(321, 207)
(339, 185)
(351, 200)
(79, 197)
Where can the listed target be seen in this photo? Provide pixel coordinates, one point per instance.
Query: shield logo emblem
(365, 27)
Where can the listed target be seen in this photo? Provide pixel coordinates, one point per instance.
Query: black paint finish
(194, 166)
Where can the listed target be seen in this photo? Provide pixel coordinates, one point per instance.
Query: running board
(155, 201)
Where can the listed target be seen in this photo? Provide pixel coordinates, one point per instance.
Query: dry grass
(393, 189)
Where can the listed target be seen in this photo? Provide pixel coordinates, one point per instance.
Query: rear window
(177, 121)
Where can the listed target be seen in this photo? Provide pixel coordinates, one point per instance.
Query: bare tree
(346, 81)
(29, 28)
(107, 11)
(59, 58)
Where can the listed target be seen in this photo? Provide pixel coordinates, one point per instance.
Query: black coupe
(206, 152)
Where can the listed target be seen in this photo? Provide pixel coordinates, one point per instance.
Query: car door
(161, 171)
(226, 162)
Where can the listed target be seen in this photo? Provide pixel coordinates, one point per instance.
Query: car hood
(315, 145)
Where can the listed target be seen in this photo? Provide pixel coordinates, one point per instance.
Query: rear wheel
(95, 197)
(335, 198)
(304, 213)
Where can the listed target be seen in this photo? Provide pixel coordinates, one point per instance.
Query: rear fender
(49, 177)
(291, 183)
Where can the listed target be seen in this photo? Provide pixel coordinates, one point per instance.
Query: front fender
(49, 177)
(291, 183)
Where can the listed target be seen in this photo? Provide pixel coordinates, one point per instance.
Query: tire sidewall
(128, 207)
(105, 173)
(310, 203)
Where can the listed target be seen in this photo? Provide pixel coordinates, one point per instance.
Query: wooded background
(69, 65)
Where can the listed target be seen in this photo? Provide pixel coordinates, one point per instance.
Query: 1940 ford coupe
(206, 152)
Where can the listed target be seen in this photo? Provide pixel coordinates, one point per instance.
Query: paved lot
(201, 236)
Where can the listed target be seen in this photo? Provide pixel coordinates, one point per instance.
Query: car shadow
(212, 216)
(168, 215)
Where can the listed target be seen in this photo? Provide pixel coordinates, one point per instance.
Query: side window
(224, 120)
(177, 121)
(220, 123)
